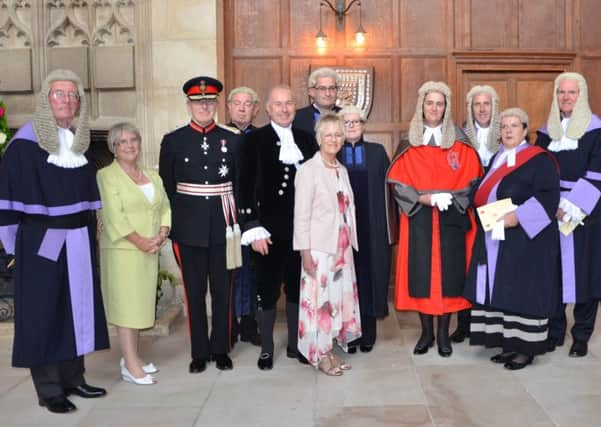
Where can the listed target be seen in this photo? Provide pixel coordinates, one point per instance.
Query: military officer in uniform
(198, 168)
(269, 160)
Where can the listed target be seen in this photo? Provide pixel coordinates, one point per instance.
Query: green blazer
(126, 209)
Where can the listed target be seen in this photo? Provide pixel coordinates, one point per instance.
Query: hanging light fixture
(340, 9)
(320, 38)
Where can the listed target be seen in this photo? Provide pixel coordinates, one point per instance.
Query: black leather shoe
(366, 348)
(197, 366)
(503, 357)
(223, 362)
(518, 363)
(58, 404)
(352, 349)
(423, 346)
(552, 343)
(265, 362)
(445, 350)
(459, 335)
(296, 355)
(87, 391)
(578, 349)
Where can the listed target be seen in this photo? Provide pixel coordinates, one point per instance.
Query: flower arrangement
(5, 132)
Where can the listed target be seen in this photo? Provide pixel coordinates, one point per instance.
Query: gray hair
(322, 72)
(325, 119)
(352, 109)
(493, 135)
(117, 130)
(515, 112)
(44, 122)
(246, 90)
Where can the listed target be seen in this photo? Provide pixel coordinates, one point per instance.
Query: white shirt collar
(65, 157)
(290, 154)
(507, 155)
(432, 132)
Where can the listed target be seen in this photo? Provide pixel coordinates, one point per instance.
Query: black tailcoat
(266, 196)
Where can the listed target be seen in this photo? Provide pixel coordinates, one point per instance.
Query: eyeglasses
(327, 88)
(352, 123)
(60, 95)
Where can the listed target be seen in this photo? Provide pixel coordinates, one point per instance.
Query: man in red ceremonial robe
(431, 180)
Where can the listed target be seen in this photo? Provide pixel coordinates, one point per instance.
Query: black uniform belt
(76, 220)
(190, 189)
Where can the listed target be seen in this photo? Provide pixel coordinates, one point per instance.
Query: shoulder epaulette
(230, 128)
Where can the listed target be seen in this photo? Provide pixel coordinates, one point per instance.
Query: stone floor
(387, 387)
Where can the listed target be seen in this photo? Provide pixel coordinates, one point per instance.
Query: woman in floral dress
(325, 234)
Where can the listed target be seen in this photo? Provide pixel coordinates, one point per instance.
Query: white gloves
(572, 212)
(441, 200)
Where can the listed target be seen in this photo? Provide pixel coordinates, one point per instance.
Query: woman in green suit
(135, 221)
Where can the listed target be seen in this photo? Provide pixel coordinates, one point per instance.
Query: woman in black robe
(513, 279)
(367, 163)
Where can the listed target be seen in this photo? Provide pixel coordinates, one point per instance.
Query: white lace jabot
(65, 157)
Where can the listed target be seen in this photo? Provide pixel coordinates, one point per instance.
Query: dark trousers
(199, 266)
(281, 264)
(52, 379)
(463, 320)
(584, 322)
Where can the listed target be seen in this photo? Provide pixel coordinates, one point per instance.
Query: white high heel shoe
(127, 376)
(149, 368)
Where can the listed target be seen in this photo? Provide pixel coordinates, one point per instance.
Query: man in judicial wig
(573, 135)
(269, 161)
(48, 199)
(482, 130)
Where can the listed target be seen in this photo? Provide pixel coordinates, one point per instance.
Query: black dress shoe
(197, 366)
(265, 362)
(296, 355)
(365, 348)
(518, 362)
(423, 346)
(223, 362)
(459, 335)
(445, 350)
(351, 349)
(58, 404)
(578, 349)
(86, 390)
(552, 343)
(503, 357)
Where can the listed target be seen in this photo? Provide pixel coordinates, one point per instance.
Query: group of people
(304, 202)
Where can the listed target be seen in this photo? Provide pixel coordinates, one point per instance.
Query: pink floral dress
(329, 305)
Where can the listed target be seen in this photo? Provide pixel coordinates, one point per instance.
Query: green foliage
(5, 133)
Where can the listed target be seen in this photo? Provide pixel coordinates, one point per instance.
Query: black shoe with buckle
(265, 362)
(223, 362)
(58, 404)
(197, 366)
(578, 349)
(86, 391)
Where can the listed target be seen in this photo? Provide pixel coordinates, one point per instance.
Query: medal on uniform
(204, 145)
(223, 170)
(223, 147)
